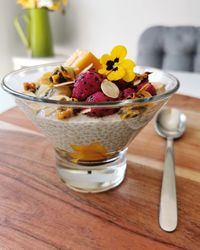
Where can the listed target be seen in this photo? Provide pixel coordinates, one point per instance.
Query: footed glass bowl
(90, 151)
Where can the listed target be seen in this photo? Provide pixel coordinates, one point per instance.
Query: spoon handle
(168, 202)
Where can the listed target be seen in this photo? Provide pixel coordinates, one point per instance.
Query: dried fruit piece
(110, 89)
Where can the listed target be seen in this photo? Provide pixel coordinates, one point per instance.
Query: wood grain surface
(38, 212)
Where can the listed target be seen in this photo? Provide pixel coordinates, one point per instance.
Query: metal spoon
(171, 124)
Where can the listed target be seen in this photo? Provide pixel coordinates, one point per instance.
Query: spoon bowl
(170, 122)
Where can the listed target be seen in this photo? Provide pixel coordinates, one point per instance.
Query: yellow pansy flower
(49, 4)
(116, 67)
(89, 152)
(58, 4)
(27, 4)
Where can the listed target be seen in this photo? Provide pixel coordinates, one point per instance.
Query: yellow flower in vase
(58, 4)
(53, 5)
(27, 4)
(116, 67)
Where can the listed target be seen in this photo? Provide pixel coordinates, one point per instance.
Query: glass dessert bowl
(89, 132)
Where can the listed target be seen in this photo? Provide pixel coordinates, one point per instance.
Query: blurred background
(97, 25)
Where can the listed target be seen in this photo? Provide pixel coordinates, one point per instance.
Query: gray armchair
(170, 48)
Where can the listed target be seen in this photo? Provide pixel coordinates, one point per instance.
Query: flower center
(111, 64)
(115, 69)
(116, 60)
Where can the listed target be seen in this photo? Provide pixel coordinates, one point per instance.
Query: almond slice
(137, 82)
(109, 89)
(87, 68)
(85, 111)
(64, 84)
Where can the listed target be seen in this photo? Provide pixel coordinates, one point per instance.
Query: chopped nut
(130, 112)
(31, 87)
(141, 78)
(64, 113)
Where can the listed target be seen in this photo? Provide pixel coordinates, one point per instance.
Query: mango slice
(81, 59)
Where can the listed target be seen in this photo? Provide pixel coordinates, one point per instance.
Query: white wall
(98, 25)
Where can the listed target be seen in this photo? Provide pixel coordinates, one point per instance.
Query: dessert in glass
(90, 109)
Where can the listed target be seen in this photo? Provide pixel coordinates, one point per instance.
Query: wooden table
(37, 211)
